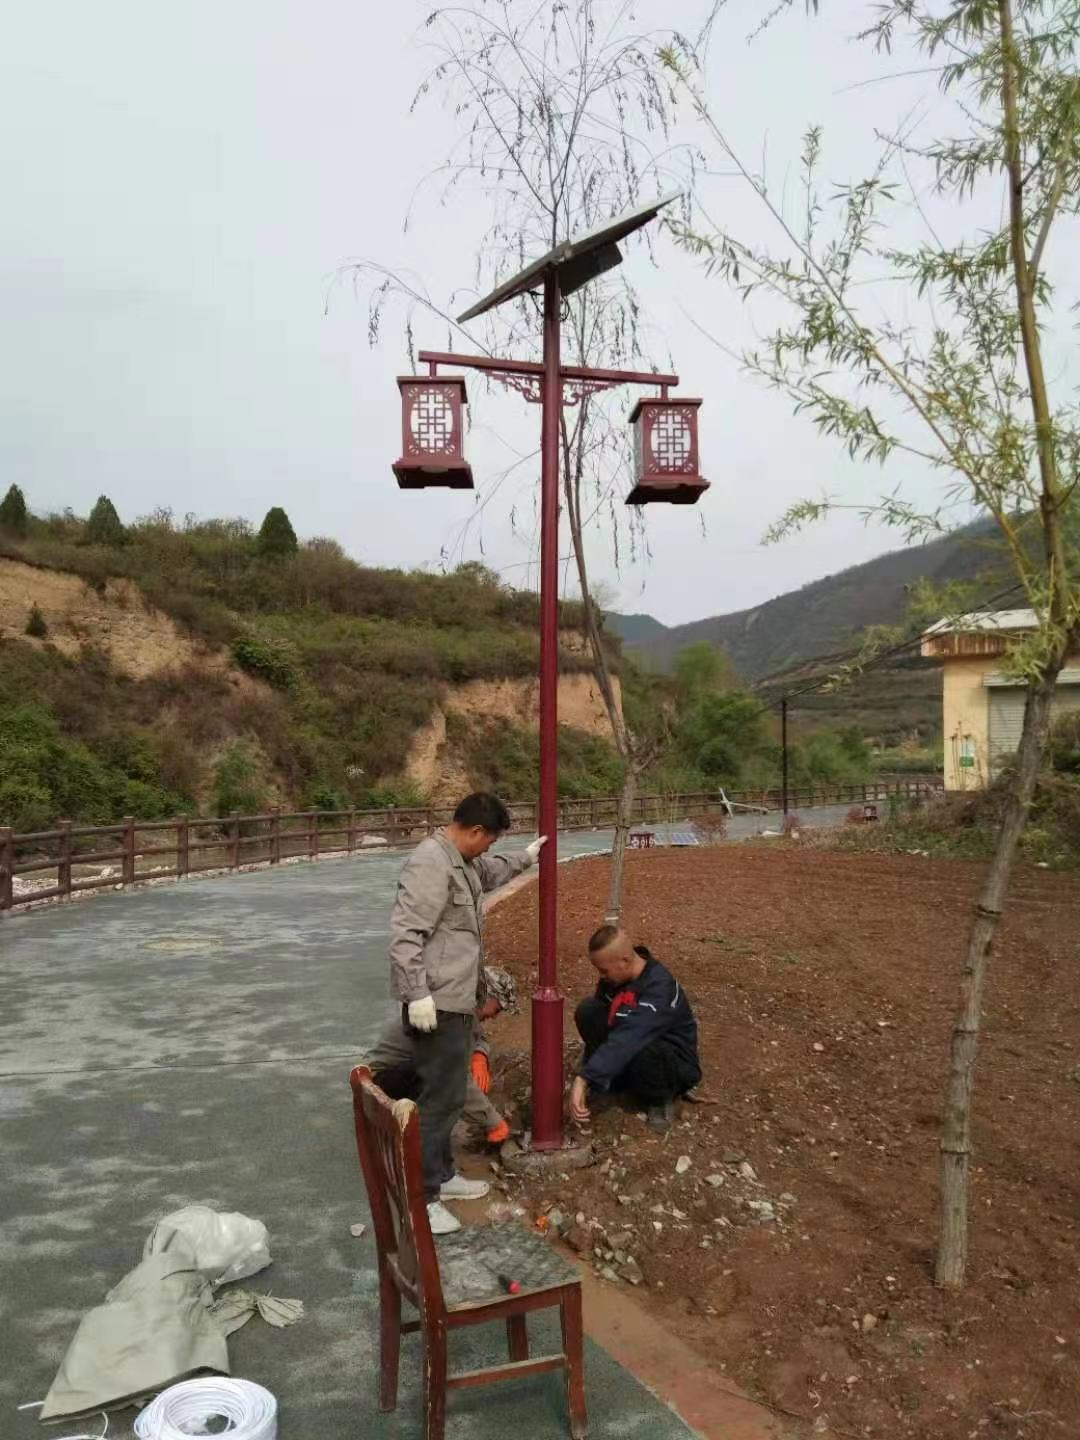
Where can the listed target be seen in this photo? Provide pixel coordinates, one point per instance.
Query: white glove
(533, 850)
(422, 1014)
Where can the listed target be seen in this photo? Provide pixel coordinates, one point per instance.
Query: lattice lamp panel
(666, 452)
(432, 432)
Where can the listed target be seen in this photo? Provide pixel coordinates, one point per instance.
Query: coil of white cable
(184, 1410)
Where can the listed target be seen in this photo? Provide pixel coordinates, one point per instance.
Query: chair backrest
(388, 1143)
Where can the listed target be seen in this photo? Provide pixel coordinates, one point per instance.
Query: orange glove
(498, 1133)
(481, 1071)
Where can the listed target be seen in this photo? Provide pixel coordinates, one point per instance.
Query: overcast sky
(181, 182)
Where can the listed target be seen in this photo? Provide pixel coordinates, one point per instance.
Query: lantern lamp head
(432, 433)
(666, 453)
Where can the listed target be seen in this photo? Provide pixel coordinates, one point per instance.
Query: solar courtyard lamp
(665, 471)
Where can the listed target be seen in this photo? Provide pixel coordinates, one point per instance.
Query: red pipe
(547, 1002)
(530, 369)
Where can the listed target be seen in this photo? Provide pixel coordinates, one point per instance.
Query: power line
(879, 659)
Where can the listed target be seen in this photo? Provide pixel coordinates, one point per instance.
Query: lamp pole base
(522, 1158)
(547, 1069)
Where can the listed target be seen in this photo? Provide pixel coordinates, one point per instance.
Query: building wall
(966, 714)
(965, 720)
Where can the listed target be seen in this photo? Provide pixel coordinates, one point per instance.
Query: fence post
(183, 846)
(128, 846)
(275, 835)
(350, 831)
(7, 867)
(234, 839)
(63, 868)
(313, 834)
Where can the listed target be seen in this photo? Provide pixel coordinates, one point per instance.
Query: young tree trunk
(573, 468)
(618, 850)
(956, 1129)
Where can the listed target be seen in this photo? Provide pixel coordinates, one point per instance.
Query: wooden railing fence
(135, 851)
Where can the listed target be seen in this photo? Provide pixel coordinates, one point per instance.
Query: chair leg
(517, 1337)
(434, 1382)
(389, 1342)
(573, 1346)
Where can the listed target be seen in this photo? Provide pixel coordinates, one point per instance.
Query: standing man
(436, 952)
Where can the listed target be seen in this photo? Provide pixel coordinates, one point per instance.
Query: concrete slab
(192, 1044)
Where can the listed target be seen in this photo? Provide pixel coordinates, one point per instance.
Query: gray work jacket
(436, 936)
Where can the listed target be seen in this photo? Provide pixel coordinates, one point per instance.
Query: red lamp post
(666, 471)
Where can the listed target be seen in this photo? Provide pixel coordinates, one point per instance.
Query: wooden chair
(460, 1282)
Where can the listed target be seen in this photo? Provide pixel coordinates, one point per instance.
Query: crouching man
(639, 1032)
(393, 1062)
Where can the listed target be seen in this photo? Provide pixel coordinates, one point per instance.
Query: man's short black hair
(602, 938)
(483, 809)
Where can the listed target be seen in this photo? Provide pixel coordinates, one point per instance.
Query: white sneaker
(458, 1188)
(440, 1219)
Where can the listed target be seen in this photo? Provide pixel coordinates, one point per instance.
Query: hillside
(189, 668)
(781, 638)
(818, 619)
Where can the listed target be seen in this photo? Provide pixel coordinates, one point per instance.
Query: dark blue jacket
(651, 1009)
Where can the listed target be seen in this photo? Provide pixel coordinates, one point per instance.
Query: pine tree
(276, 535)
(104, 527)
(35, 624)
(13, 516)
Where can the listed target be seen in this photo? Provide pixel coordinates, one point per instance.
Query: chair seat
(472, 1260)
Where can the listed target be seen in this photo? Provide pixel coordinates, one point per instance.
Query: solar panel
(577, 261)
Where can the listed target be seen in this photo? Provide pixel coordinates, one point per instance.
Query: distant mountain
(821, 618)
(782, 636)
(644, 635)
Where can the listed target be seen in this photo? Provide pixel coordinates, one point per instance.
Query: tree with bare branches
(562, 121)
(938, 352)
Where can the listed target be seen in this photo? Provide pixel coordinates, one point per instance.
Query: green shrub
(26, 803)
(325, 797)
(104, 527)
(506, 758)
(271, 660)
(1063, 751)
(35, 624)
(239, 781)
(276, 534)
(396, 794)
(908, 761)
(13, 514)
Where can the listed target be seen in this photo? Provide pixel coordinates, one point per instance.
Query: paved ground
(191, 1043)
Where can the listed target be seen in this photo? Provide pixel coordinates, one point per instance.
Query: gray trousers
(393, 1064)
(440, 1056)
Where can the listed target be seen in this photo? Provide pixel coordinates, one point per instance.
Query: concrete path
(191, 1044)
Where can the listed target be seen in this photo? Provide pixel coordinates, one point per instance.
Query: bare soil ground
(795, 1250)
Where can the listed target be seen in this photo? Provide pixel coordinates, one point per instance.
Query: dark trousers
(442, 1056)
(653, 1076)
